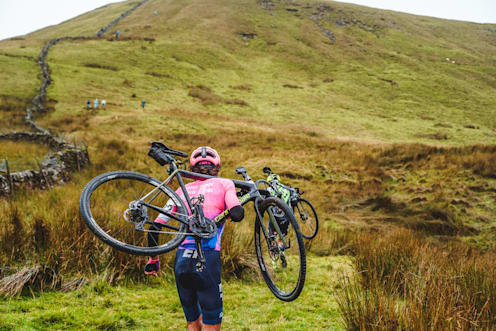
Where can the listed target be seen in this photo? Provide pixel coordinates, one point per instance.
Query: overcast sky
(18, 17)
(480, 11)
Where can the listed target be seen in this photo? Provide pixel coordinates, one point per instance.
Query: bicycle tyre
(280, 294)
(297, 213)
(86, 214)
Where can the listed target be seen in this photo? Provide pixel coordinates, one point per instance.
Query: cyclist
(201, 292)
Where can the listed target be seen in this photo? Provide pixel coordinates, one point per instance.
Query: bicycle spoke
(306, 218)
(112, 198)
(281, 251)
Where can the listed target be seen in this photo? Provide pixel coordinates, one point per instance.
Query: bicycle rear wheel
(105, 208)
(283, 268)
(307, 219)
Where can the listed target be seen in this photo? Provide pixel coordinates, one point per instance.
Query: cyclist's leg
(152, 267)
(188, 296)
(210, 293)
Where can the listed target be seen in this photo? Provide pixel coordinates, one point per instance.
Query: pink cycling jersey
(219, 194)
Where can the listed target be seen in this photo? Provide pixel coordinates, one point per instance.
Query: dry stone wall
(109, 26)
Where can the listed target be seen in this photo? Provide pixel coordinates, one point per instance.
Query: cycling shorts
(200, 292)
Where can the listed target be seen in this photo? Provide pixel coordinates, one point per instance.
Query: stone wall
(54, 169)
(109, 26)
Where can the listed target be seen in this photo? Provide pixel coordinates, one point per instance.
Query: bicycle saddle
(165, 149)
(240, 170)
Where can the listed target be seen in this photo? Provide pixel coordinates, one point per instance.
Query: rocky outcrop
(109, 26)
(317, 17)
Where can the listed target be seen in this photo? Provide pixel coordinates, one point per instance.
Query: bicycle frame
(254, 194)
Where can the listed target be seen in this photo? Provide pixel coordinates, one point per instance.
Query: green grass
(248, 305)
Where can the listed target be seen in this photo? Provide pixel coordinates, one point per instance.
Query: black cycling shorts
(200, 292)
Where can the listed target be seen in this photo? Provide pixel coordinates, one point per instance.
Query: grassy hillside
(386, 77)
(359, 107)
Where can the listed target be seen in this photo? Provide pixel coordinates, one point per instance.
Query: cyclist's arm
(236, 211)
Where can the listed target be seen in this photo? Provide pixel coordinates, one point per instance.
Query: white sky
(480, 11)
(18, 17)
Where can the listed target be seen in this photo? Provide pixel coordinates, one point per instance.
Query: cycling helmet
(205, 160)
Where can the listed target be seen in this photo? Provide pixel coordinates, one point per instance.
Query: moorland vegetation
(393, 143)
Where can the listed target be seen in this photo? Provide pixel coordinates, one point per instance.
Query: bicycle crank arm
(200, 263)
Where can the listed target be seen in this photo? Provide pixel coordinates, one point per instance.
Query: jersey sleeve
(230, 197)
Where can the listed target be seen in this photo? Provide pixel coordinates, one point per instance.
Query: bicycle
(120, 207)
(303, 210)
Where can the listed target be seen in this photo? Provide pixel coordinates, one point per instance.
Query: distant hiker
(143, 103)
(117, 34)
(155, 12)
(88, 104)
(104, 103)
(95, 104)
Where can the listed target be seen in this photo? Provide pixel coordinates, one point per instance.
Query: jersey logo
(190, 253)
(206, 188)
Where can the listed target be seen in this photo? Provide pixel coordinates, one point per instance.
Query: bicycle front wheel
(280, 249)
(105, 207)
(307, 219)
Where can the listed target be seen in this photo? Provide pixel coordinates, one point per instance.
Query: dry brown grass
(101, 66)
(157, 74)
(204, 94)
(291, 86)
(406, 282)
(27, 280)
(69, 123)
(242, 87)
(207, 97)
(10, 103)
(348, 183)
(239, 102)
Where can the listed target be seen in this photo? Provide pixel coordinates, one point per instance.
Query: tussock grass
(13, 110)
(22, 155)
(405, 281)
